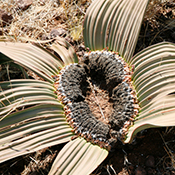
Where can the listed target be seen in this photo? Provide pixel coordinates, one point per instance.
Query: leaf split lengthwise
(100, 102)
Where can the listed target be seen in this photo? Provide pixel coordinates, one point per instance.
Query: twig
(169, 152)
(79, 9)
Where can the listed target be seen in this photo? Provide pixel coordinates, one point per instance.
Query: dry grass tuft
(37, 21)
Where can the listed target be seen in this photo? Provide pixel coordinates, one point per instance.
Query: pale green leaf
(32, 57)
(154, 80)
(153, 71)
(38, 59)
(78, 157)
(32, 129)
(21, 93)
(114, 24)
(65, 50)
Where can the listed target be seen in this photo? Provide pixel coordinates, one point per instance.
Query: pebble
(57, 32)
(24, 4)
(5, 18)
(140, 171)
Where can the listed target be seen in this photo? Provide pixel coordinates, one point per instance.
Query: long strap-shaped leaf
(38, 59)
(23, 82)
(32, 57)
(153, 70)
(21, 93)
(114, 24)
(65, 50)
(78, 157)
(154, 80)
(161, 114)
(46, 126)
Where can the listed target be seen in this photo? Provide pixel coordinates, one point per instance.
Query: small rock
(57, 32)
(45, 37)
(24, 4)
(140, 171)
(150, 162)
(5, 18)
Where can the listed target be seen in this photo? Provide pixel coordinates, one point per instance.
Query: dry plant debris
(158, 24)
(35, 19)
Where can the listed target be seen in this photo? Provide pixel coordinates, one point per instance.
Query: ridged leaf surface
(21, 93)
(38, 59)
(32, 129)
(78, 157)
(114, 24)
(154, 80)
